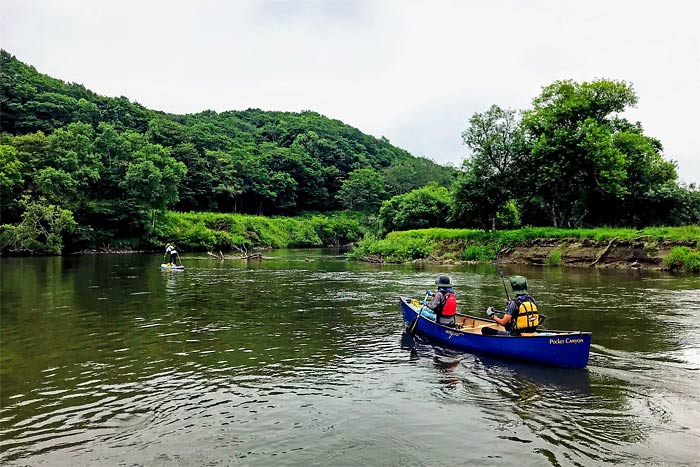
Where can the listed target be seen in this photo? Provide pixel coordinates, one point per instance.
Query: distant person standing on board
(444, 303)
(521, 314)
(170, 250)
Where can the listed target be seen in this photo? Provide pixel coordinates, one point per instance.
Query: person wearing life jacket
(444, 302)
(521, 314)
(170, 250)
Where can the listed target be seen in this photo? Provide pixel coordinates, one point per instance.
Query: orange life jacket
(450, 307)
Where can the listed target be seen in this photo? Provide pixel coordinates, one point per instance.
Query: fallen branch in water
(244, 254)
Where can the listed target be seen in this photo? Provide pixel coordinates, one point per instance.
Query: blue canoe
(559, 348)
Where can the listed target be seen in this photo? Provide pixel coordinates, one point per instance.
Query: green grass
(478, 253)
(484, 245)
(554, 258)
(682, 258)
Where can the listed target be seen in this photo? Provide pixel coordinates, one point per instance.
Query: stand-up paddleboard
(172, 267)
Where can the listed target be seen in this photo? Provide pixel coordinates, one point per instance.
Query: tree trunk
(554, 216)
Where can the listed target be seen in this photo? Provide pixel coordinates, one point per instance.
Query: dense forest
(81, 170)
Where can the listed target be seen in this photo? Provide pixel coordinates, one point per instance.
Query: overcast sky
(413, 71)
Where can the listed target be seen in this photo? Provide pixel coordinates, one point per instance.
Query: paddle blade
(412, 326)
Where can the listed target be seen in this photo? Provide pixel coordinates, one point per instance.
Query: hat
(518, 284)
(443, 281)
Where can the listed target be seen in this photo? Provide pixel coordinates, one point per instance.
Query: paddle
(491, 331)
(500, 273)
(413, 325)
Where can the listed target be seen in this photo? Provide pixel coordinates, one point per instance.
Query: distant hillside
(116, 164)
(317, 152)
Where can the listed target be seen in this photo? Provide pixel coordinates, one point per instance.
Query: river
(301, 359)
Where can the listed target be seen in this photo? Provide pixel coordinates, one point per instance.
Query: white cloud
(412, 71)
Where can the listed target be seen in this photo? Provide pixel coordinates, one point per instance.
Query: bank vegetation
(670, 248)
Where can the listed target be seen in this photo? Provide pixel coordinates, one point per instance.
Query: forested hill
(106, 153)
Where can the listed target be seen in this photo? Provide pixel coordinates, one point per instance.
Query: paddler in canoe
(521, 314)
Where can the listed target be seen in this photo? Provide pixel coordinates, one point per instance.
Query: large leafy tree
(152, 178)
(491, 175)
(576, 155)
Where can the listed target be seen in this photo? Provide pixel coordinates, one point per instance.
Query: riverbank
(656, 248)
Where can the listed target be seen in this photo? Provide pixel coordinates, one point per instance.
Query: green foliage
(213, 231)
(119, 166)
(425, 207)
(484, 245)
(478, 253)
(554, 258)
(395, 248)
(10, 169)
(508, 215)
(338, 229)
(483, 192)
(585, 160)
(40, 231)
(363, 190)
(682, 258)
(410, 174)
(571, 159)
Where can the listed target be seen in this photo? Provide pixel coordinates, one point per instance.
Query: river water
(301, 359)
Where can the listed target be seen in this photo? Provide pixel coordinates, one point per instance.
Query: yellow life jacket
(528, 316)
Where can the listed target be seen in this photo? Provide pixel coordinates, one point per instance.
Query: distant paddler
(170, 250)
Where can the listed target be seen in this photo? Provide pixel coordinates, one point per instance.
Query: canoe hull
(172, 268)
(568, 349)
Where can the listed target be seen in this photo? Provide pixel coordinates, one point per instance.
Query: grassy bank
(479, 245)
(205, 231)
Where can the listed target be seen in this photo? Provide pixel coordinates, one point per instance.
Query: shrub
(395, 248)
(478, 253)
(554, 258)
(682, 258)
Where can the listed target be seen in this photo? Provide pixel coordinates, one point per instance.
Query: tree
(649, 178)
(418, 209)
(495, 140)
(363, 189)
(490, 175)
(573, 158)
(10, 170)
(40, 231)
(152, 178)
